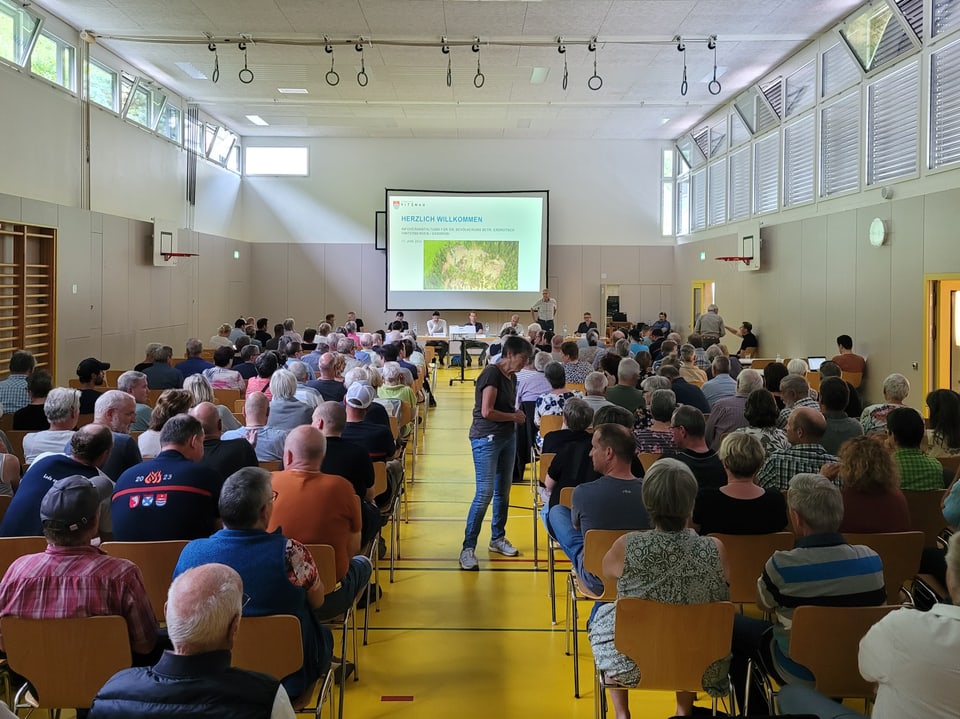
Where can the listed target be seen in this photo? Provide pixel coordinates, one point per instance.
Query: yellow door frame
(707, 297)
(936, 374)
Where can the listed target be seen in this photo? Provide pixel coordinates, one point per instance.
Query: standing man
(849, 360)
(544, 311)
(710, 326)
(493, 439)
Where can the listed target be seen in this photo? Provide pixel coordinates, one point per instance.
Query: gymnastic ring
(478, 80)
(362, 78)
(714, 84)
(245, 75)
(595, 85)
(333, 79)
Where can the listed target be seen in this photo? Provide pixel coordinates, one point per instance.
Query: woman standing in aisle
(493, 439)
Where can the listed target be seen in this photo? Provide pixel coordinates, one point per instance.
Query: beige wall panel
(656, 264)
(841, 277)
(75, 267)
(373, 296)
(871, 334)
(341, 290)
(39, 213)
(306, 266)
(269, 278)
(120, 254)
(621, 265)
(939, 232)
(10, 207)
(907, 293)
(813, 293)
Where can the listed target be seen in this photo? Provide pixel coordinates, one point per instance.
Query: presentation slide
(465, 251)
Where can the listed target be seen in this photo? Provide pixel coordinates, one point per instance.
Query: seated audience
(220, 376)
(943, 437)
(394, 388)
(832, 369)
(905, 434)
(688, 427)
(688, 366)
(773, 375)
(570, 446)
(246, 367)
(552, 401)
(722, 385)
(375, 438)
(160, 375)
(279, 575)
(575, 371)
(194, 363)
(760, 411)
(266, 364)
(531, 382)
(286, 412)
(62, 408)
(224, 456)
(172, 496)
(657, 565)
(222, 338)
(13, 390)
(728, 414)
(834, 397)
(32, 417)
(90, 373)
(330, 388)
(308, 395)
(872, 500)
(267, 442)
(116, 410)
(686, 393)
(625, 393)
(740, 506)
(318, 508)
(89, 448)
(658, 437)
(595, 389)
(201, 389)
(648, 386)
(795, 393)
(169, 404)
(823, 569)
(134, 383)
(72, 578)
(805, 429)
(896, 387)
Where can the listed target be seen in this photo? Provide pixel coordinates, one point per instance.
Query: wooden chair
(325, 558)
(854, 378)
(153, 395)
(926, 513)
(5, 500)
(566, 493)
(813, 379)
(6, 422)
(271, 465)
(15, 438)
(112, 376)
(648, 458)
(227, 397)
(156, 561)
(391, 513)
(408, 415)
(900, 553)
(74, 383)
(596, 544)
(84, 419)
(550, 423)
(66, 661)
(749, 352)
(746, 555)
(273, 645)
(759, 363)
(826, 640)
(12, 548)
(576, 387)
(239, 406)
(671, 644)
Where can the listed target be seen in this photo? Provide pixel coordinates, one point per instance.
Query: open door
(942, 351)
(702, 296)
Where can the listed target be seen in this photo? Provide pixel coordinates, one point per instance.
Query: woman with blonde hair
(222, 338)
(872, 500)
(201, 389)
(170, 403)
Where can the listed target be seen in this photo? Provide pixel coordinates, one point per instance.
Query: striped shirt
(72, 582)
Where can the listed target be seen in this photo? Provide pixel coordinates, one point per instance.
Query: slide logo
(396, 204)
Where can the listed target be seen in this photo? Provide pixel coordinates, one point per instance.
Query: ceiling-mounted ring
(332, 78)
(561, 48)
(594, 82)
(242, 46)
(246, 74)
(476, 44)
(212, 47)
(444, 48)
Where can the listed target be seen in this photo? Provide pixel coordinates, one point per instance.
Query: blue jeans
(493, 459)
(570, 540)
(337, 602)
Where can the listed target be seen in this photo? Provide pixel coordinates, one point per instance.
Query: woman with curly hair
(872, 500)
(943, 437)
(170, 403)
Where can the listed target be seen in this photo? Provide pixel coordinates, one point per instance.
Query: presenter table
(466, 341)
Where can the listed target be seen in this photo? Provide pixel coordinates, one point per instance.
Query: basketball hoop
(168, 255)
(744, 260)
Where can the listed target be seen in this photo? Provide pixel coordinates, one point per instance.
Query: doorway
(702, 296)
(942, 349)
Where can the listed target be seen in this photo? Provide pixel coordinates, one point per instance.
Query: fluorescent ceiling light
(257, 120)
(538, 75)
(292, 90)
(664, 120)
(191, 70)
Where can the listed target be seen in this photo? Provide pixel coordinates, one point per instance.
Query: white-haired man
(135, 384)
(726, 414)
(117, 410)
(62, 408)
(710, 325)
(594, 390)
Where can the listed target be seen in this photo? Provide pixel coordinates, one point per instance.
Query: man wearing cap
(74, 579)
(376, 439)
(317, 508)
(171, 496)
(89, 448)
(90, 372)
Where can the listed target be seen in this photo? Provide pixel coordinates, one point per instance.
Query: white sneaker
(503, 546)
(468, 560)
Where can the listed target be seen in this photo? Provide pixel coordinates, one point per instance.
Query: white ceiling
(407, 95)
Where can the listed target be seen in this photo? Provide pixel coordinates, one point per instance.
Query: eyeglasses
(245, 601)
(273, 495)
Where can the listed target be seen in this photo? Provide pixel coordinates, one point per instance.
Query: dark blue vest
(201, 685)
(260, 560)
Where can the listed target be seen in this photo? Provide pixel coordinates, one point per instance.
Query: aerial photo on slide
(470, 265)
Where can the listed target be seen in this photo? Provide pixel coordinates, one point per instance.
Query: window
(277, 161)
(876, 36)
(739, 133)
(755, 111)
(718, 138)
(766, 173)
(800, 92)
(146, 104)
(223, 142)
(54, 60)
(18, 30)
(169, 125)
(893, 125)
(946, 16)
(912, 11)
(683, 206)
(740, 184)
(945, 105)
(840, 71)
(799, 157)
(126, 87)
(666, 192)
(840, 146)
(698, 200)
(690, 151)
(717, 192)
(702, 138)
(103, 85)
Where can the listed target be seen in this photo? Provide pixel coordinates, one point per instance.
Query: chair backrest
(596, 544)
(900, 553)
(951, 464)
(153, 395)
(926, 514)
(271, 645)
(156, 561)
(379, 478)
(854, 378)
(5, 500)
(12, 548)
(546, 459)
(746, 556)
(813, 380)
(6, 422)
(227, 397)
(648, 458)
(66, 660)
(84, 419)
(112, 376)
(826, 640)
(15, 438)
(394, 426)
(673, 644)
(239, 406)
(550, 423)
(406, 414)
(73, 383)
(325, 557)
(759, 363)
(566, 496)
(748, 352)
(271, 465)
(576, 387)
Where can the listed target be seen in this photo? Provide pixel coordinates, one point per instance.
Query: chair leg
(356, 652)
(576, 648)
(551, 575)
(568, 602)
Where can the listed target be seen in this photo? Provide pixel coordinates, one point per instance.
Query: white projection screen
(466, 250)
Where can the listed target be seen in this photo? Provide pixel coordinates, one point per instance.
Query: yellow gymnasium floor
(469, 644)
